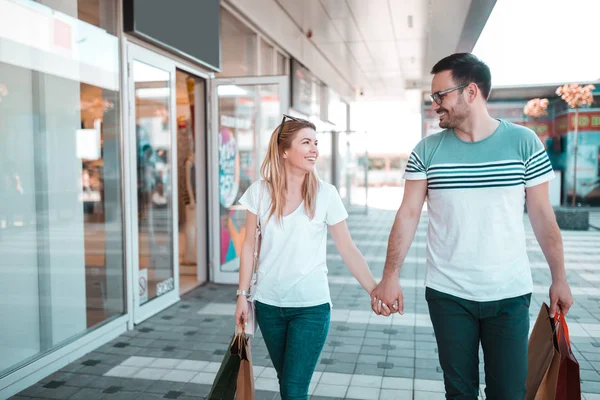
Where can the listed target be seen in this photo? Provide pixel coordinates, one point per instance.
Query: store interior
(186, 178)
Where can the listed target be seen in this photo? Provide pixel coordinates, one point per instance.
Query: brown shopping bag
(245, 378)
(235, 379)
(553, 371)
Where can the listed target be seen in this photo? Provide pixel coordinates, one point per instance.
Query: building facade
(128, 131)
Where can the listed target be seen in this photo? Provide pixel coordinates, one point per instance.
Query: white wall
(268, 16)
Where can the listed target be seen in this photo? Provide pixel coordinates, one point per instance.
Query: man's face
(453, 110)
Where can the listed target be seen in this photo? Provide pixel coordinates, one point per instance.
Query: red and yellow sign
(588, 121)
(542, 128)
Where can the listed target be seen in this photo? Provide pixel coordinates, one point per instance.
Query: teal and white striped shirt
(476, 246)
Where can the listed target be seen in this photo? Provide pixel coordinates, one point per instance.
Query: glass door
(151, 113)
(245, 113)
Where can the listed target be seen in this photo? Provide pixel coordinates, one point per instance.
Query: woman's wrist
(371, 286)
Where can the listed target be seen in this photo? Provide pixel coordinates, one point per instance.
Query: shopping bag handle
(240, 330)
(239, 343)
(559, 319)
(240, 333)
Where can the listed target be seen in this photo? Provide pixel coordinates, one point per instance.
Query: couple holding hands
(477, 174)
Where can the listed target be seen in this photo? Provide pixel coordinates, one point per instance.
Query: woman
(292, 298)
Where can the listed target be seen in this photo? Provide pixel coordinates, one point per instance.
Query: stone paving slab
(176, 353)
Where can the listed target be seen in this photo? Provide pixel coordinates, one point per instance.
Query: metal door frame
(142, 312)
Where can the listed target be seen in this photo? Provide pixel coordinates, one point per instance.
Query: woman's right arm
(246, 266)
(352, 256)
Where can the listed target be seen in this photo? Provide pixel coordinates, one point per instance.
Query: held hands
(388, 292)
(387, 298)
(241, 311)
(561, 298)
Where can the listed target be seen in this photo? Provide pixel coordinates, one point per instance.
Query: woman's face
(303, 153)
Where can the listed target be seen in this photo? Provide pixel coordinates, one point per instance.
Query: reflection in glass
(282, 63)
(247, 116)
(238, 47)
(154, 180)
(61, 237)
(266, 58)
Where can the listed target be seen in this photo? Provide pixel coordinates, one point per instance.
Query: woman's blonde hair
(273, 169)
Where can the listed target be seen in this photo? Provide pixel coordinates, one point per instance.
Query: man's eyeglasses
(438, 97)
(283, 120)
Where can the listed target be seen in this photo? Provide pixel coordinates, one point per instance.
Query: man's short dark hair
(466, 68)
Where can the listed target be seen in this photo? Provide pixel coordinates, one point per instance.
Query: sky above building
(534, 42)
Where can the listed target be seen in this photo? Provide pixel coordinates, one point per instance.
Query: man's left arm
(547, 233)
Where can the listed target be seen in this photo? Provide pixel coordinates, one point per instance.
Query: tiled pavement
(175, 354)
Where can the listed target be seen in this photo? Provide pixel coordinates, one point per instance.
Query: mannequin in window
(189, 256)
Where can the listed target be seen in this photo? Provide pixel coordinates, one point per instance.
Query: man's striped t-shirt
(476, 246)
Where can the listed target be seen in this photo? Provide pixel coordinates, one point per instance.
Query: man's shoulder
(436, 137)
(430, 142)
(518, 132)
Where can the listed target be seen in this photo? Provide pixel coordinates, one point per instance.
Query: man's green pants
(501, 326)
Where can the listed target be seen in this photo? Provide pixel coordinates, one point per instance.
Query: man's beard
(454, 119)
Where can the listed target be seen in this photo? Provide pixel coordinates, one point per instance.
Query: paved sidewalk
(175, 354)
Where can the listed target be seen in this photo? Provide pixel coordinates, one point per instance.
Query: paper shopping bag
(225, 382)
(553, 371)
(245, 378)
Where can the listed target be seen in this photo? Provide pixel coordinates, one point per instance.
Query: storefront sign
(588, 121)
(236, 122)
(165, 286)
(189, 27)
(302, 89)
(228, 168)
(542, 128)
(143, 285)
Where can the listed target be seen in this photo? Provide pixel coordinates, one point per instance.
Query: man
(477, 175)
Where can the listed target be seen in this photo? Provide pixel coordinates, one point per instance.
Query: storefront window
(238, 47)
(324, 162)
(282, 63)
(343, 161)
(266, 58)
(247, 116)
(587, 190)
(338, 114)
(61, 236)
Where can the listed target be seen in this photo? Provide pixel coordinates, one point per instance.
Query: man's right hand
(387, 297)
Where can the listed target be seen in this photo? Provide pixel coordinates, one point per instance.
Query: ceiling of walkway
(385, 47)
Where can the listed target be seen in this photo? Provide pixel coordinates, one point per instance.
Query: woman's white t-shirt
(292, 269)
